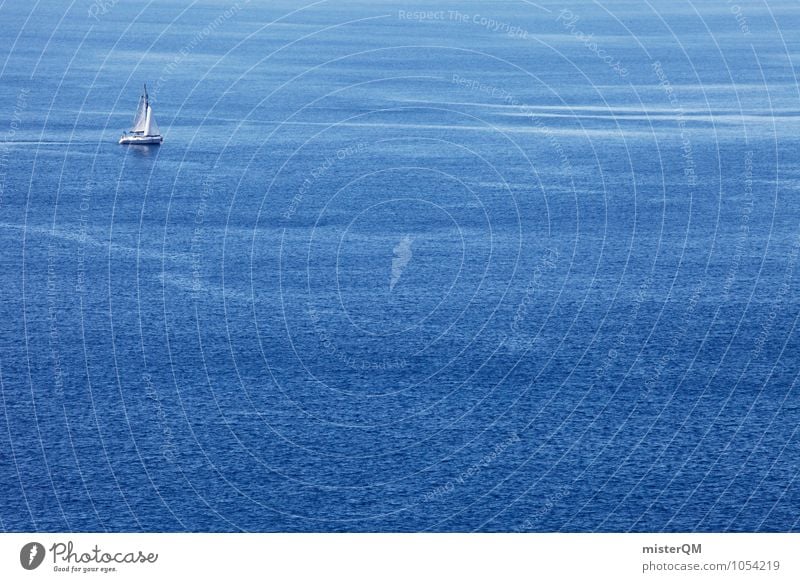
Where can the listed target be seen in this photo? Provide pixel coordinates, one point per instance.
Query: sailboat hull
(141, 140)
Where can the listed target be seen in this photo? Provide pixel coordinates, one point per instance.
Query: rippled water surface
(400, 267)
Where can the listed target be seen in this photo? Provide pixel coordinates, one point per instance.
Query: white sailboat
(145, 129)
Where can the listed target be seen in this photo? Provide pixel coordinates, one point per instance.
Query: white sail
(147, 117)
(151, 123)
(141, 114)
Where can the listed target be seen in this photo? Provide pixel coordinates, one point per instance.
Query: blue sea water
(447, 266)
